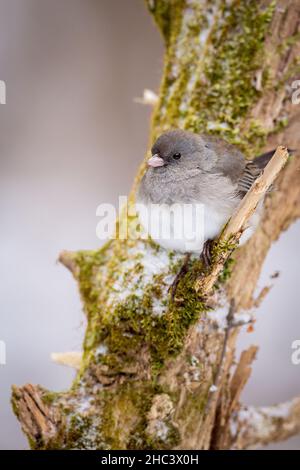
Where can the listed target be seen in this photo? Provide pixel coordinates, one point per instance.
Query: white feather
(185, 227)
(180, 227)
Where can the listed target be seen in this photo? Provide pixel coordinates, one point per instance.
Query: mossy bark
(156, 373)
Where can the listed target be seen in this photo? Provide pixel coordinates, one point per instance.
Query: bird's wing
(250, 174)
(232, 164)
(252, 170)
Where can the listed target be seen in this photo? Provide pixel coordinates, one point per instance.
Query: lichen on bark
(149, 363)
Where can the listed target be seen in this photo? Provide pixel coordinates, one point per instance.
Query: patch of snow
(84, 405)
(223, 126)
(101, 350)
(278, 411)
(233, 426)
(219, 317)
(194, 361)
(153, 262)
(196, 375)
(242, 318)
(257, 419)
(162, 430)
(158, 309)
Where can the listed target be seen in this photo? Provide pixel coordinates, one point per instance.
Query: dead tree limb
(252, 427)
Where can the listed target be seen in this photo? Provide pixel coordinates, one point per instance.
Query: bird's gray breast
(159, 187)
(215, 190)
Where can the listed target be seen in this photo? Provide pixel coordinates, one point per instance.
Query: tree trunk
(157, 374)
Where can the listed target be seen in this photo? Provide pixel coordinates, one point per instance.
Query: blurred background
(71, 137)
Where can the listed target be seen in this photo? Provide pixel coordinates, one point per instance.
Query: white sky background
(70, 138)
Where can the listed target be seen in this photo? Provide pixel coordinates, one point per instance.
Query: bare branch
(71, 359)
(253, 427)
(149, 98)
(67, 258)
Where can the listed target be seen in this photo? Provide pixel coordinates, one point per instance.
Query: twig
(71, 359)
(253, 427)
(149, 98)
(237, 223)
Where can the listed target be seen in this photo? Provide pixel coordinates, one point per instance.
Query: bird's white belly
(181, 227)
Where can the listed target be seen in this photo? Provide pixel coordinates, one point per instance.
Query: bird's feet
(206, 255)
(181, 273)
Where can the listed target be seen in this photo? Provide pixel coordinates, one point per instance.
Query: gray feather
(200, 169)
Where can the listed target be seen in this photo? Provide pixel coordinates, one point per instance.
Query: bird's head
(181, 150)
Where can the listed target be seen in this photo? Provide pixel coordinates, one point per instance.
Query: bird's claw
(181, 273)
(206, 255)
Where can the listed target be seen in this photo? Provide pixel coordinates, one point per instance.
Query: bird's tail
(262, 160)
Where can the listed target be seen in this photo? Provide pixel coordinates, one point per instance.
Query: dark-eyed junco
(191, 188)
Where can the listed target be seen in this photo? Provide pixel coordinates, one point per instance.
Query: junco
(191, 188)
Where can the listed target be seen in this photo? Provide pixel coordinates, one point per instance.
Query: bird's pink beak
(155, 161)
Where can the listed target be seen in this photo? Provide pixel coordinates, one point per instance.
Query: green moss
(215, 95)
(222, 249)
(124, 415)
(132, 327)
(193, 408)
(88, 262)
(84, 432)
(226, 90)
(50, 397)
(226, 272)
(181, 61)
(120, 422)
(162, 14)
(127, 327)
(180, 83)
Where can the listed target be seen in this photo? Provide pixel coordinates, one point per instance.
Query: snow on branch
(252, 427)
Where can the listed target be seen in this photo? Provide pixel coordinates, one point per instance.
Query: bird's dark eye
(176, 156)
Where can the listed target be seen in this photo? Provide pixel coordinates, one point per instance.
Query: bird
(192, 186)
